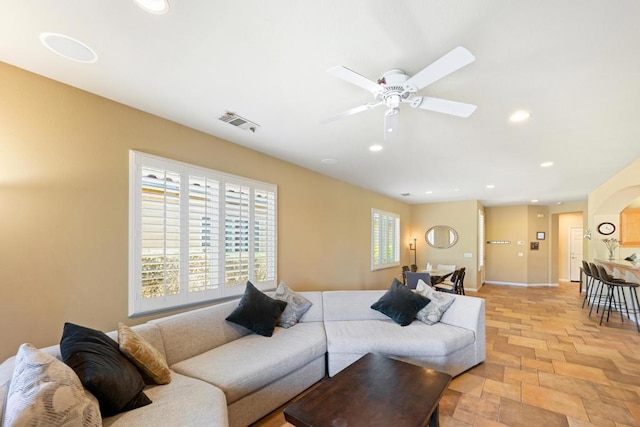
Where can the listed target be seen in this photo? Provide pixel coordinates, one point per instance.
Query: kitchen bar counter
(626, 270)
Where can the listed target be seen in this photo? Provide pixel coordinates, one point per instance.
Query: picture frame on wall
(535, 246)
(540, 235)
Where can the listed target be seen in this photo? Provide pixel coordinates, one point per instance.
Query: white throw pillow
(440, 302)
(46, 392)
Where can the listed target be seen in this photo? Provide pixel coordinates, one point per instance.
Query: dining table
(438, 275)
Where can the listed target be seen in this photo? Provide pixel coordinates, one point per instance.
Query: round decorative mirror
(441, 236)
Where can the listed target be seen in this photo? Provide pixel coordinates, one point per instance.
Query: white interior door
(575, 253)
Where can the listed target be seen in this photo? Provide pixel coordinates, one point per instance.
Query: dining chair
(414, 268)
(405, 268)
(413, 277)
(460, 287)
(455, 285)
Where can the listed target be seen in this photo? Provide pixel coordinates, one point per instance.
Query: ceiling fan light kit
(396, 87)
(158, 7)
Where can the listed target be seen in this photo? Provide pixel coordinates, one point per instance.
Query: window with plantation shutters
(385, 239)
(196, 234)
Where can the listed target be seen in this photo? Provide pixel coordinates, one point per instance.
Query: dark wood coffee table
(374, 391)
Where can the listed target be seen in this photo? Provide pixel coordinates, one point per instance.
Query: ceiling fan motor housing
(394, 89)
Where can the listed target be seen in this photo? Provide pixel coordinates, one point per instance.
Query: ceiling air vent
(241, 122)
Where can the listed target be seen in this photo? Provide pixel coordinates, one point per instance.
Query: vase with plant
(611, 244)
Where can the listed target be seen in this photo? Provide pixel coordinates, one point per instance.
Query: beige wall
(538, 260)
(64, 207)
(463, 217)
(521, 223)
(506, 223)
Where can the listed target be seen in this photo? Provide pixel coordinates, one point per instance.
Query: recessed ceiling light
(559, 203)
(546, 164)
(329, 161)
(154, 6)
(534, 201)
(519, 116)
(428, 192)
(375, 148)
(456, 189)
(68, 47)
(491, 186)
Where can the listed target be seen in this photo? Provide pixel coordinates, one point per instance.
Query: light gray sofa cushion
(316, 312)
(183, 402)
(194, 332)
(386, 337)
(351, 305)
(238, 369)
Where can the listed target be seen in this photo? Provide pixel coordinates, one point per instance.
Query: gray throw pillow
(297, 305)
(440, 302)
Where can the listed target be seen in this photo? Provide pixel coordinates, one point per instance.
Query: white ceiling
(574, 64)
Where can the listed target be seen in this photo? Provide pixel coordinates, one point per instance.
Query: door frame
(570, 247)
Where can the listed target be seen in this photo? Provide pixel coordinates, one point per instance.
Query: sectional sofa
(223, 374)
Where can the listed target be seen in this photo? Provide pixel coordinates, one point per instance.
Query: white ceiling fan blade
(350, 112)
(452, 61)
(440, 105)
(354, 78)
(391, 123)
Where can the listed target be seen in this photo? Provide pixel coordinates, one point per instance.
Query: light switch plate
(468, 255)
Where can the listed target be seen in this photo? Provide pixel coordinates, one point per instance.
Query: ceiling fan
(396, 87)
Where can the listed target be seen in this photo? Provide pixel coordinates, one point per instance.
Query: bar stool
(588, 280)
(598, 286)
(613, 287)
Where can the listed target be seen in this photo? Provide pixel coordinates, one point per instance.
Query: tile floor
(548, 364)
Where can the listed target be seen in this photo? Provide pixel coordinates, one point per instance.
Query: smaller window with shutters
(480, 240)
(385, 239)
(196, 234)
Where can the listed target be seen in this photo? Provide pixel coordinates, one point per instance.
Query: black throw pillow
(257, 312)
(400, 304)
(102, 369)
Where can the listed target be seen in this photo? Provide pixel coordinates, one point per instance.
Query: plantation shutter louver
(264, 235)
(204, 211)
(236, 220)
(160, 233)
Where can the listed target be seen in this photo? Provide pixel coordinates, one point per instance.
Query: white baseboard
(522, 285)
